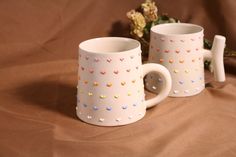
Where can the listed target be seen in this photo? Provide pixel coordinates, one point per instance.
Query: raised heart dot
(101, 119)
(171, 61)
(128, 70)
(85, 82)
(108, 108)
(109, 60)
(181, 82)
(162, 39)
(118, 119)
(186, 71)
(176, 71)
(166, 51)
(136, 67)
(177, 51)
(193, 60)
(131, 57)
(171, 40)
(129, 94)
(89, 117)
(116, 72)
(182, 41)
(175, 91)
(181, 61)
(91, 71)
(188, 51)
(158, 50)
(121, 59)
(161, 60)
(109, 84)
(130, 117)
(123, 83)
(124, 107)
(90, 94)
(116, 96)
(95, 108)
(96, 59)
(133, 81)
(102, 96)
(186, 91)
(95, 83)
(103, 72)
(82, 68)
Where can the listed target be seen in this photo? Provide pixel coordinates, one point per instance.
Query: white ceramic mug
(179, 47)
(110, 86)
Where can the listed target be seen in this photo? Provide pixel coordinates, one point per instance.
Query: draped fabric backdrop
(38, 76)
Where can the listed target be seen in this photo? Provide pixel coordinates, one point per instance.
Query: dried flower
(137, 23)
(149, 10)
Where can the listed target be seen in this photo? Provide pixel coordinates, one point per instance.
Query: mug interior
(176, 29)
(109, 45)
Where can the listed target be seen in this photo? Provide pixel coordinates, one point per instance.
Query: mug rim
(136, 47)
(198, 28)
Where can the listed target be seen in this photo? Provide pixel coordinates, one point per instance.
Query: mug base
(103, 122)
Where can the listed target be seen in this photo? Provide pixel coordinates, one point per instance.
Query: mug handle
(215, 55)
(165, 74)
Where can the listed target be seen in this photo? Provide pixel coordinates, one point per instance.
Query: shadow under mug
(179, 47)
(110, 84)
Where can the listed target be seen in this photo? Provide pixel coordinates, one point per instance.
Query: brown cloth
(38, 76)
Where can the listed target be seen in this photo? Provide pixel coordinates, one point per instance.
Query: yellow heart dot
(186, 71)
(109, 84)
(129, 94)
(102, 96)
(95, 84)
(116, 96)
(176, 71)
(181, 61)
(123, 83)
(171, 61)
(90, 94)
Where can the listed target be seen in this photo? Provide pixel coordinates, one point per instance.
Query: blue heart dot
(109, 108)
(95, 108)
